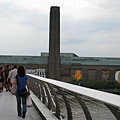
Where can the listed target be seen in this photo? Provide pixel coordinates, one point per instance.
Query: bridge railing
(71, 102)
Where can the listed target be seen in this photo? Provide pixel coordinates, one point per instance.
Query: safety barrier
(71, 102)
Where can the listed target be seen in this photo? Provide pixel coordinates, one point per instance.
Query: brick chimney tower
(54, 43)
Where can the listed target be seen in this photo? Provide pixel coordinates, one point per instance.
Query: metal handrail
(56, 95)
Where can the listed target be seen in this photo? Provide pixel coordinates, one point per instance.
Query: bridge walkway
(8, 108)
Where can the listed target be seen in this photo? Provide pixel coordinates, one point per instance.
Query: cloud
(92, 37)
(88, 28)
(25, 29)
(109, 4)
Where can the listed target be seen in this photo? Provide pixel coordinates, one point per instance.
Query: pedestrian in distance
(6, 73)
(1, 79)
(11, 79)
(21, 91)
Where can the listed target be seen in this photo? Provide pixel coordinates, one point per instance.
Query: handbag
(22, 91)
(29, 101)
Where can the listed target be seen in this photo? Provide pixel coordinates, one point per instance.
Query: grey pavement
(8, 108)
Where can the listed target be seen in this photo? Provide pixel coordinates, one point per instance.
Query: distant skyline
(88, 28)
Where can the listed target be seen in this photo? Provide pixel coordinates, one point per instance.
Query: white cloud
(88, 27)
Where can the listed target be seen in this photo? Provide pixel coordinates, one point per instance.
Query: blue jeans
(23, 101)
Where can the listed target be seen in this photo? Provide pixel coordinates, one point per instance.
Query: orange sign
(78, 75)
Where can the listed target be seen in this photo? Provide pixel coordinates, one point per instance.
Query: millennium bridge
(56, 100)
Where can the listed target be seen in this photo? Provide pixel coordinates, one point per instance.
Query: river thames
(97, 109)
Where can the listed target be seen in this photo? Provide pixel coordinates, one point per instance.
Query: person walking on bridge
(6, 73)
(11, 76)
(21, 81)
(1, 79)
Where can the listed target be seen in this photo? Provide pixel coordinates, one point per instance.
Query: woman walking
(21, 81)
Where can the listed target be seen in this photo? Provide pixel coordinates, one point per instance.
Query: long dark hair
(21, 71)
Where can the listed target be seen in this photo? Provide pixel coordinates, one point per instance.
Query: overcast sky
(88, 28)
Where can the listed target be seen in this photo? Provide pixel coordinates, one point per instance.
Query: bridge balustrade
(71, 102)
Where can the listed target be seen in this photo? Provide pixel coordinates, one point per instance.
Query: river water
(97, 109)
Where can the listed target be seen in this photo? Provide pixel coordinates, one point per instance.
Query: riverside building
(91, 68)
